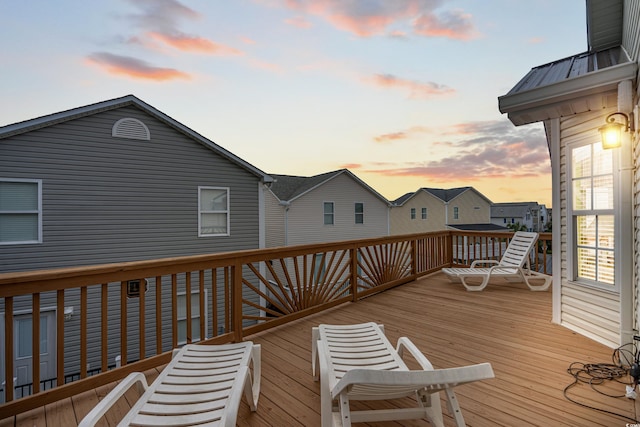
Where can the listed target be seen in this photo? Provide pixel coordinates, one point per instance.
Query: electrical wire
(596, 374)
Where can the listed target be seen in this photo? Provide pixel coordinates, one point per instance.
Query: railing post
(353, 253)
(414, 256)
(8, 350)
(236, 301)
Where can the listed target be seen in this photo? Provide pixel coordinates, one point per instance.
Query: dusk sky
(403, 93)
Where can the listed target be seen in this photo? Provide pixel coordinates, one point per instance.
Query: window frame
(326, 214)
(456, 212)
(423, 213)
(412, 213)
(358, 214)
(573, 214)
(38, 212)
(201, 211)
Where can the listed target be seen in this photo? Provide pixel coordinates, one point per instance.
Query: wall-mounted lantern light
(611, 132)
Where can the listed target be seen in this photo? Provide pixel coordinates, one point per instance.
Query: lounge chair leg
(345, 413)
(481, 286)
(252, 385)
(543, 287)
(432, 407)
(454, 408)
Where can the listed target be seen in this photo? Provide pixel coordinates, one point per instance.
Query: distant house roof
(478, 227)
(288, 187)
(579, 83)
(446, 195)
(128, 100)
(512, 209)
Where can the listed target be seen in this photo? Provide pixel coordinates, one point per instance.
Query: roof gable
(129, 100)
(444, 194)
(289, 188)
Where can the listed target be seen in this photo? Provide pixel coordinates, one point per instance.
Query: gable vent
(130, 128)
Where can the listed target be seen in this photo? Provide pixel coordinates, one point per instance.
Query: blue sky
(401, 92)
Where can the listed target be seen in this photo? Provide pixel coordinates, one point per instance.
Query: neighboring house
(530, 214)
(435, 209)
(112, 182)
(329, 207)
(595, 190)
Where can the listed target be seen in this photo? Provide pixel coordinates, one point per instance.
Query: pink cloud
(416, 90)
(454, 25)
(350, 166)
(299, 22)
(536, 40)
(159, 21)
(372, 18)
(396, 136)
(133, 67)
(494, 150)
(194, 44)
(247, 40)
(387, 137)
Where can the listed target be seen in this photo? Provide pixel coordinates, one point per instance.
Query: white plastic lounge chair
(514, 264)
(202, 384)
(357, 362)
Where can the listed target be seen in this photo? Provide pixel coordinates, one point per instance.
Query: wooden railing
(138, 312)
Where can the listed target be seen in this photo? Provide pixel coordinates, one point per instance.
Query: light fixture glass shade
(611, 134)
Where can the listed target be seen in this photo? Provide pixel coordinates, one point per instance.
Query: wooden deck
(506, 324)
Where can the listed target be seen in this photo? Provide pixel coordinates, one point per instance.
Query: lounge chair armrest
(405, 343)
(432, 380)
(483, 262)
(110, 399)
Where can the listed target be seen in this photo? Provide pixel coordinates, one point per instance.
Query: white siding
(591, 312)
(305, 217)
(274, 221)
(401, 222)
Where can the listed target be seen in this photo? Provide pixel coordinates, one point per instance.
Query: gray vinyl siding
(109, 200)
(591, 312)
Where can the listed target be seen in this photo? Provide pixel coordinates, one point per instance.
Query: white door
(23, 352)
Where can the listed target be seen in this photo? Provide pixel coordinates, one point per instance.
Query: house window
(359, 213)
(504, 220)
(213, 218)
(20, 211)
(424, 213)
(413, 213)
(455, 213)
(328, 213)
(195, 317)
(592, 214)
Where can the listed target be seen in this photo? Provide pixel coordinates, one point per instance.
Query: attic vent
(130, 128)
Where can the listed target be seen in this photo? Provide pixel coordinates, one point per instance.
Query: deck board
(506, 324)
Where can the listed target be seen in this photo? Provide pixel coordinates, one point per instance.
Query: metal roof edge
(593, 82)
